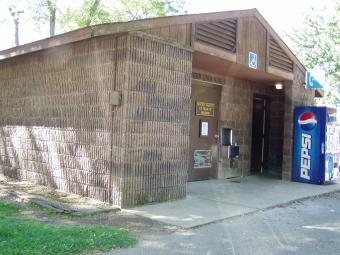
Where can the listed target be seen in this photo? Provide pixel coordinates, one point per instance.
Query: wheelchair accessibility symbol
(252, 60)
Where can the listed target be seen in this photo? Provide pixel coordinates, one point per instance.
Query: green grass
(8, 209)
(19, 236)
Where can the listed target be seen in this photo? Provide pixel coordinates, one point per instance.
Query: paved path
(308, 227)
(213, 200)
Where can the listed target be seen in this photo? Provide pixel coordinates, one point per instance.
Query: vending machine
(316, 145)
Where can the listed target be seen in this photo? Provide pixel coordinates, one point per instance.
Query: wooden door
(204, 131)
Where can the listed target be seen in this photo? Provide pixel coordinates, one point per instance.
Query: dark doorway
(205, 100)
(260, 134)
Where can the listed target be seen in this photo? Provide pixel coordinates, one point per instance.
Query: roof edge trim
(118, 27)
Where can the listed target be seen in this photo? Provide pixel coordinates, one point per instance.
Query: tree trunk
(15, 14)
(52, 22)
(16, 33)
(52, 8)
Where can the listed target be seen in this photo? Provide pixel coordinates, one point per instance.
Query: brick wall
(295, 95)
(275, 155)
(156, 134)
(237, 113)
(55, 117)
(57, 126)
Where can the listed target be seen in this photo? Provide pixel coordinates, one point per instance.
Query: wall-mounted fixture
(227, 137)
(233, 152)
(115, 98)
(278, 85)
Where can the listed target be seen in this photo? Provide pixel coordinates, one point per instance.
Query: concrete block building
(128, 113)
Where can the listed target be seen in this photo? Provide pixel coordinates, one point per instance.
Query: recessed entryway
(260, 134)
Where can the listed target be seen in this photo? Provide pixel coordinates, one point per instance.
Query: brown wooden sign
(205, 109)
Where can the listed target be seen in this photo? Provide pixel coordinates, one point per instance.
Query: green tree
(140, 9)
(93, 12)
(90, 12)
(317, 43)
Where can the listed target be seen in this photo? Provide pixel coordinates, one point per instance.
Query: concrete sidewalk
(214, 200)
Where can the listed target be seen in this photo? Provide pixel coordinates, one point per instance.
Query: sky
(282, 15)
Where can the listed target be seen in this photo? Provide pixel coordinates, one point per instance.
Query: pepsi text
(306, 146)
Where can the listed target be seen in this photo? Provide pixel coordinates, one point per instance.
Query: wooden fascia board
(73, 36)
(111, 28)
(156, 38)
(212, 51)
(284, 75)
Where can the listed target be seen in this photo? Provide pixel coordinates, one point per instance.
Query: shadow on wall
(5, 162)
(55, 117)
(46, 156)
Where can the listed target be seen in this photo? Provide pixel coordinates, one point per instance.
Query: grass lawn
(20, 236)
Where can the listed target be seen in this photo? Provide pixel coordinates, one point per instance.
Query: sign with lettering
(205, 109)
(204, 128)
(202, 158)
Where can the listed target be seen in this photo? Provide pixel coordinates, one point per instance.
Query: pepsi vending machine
(316, 145)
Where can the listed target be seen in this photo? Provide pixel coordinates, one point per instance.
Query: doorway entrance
(205, 99)
(260, 134)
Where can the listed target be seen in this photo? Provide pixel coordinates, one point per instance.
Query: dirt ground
(23, 192)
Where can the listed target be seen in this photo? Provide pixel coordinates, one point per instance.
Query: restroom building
(128, 113)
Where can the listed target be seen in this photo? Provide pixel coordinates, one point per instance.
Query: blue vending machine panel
(332, 145)
(309, 144)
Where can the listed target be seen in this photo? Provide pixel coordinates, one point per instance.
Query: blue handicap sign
(311, 83)
(252, 60)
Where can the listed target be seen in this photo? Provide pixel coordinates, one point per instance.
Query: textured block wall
(237, 113)
(156, 123)
(57, 126)
(56, 121)
(275, 157)
(295, 95)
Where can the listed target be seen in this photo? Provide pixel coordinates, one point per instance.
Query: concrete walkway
(214, 200)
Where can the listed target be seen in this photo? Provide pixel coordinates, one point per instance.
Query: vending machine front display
(311, 162)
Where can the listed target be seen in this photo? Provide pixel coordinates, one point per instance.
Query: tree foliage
(92, 12)
(317, 44)
(140, 9)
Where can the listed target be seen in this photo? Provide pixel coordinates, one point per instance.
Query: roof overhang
(119, 27)
(228, 67)
(136, 25)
